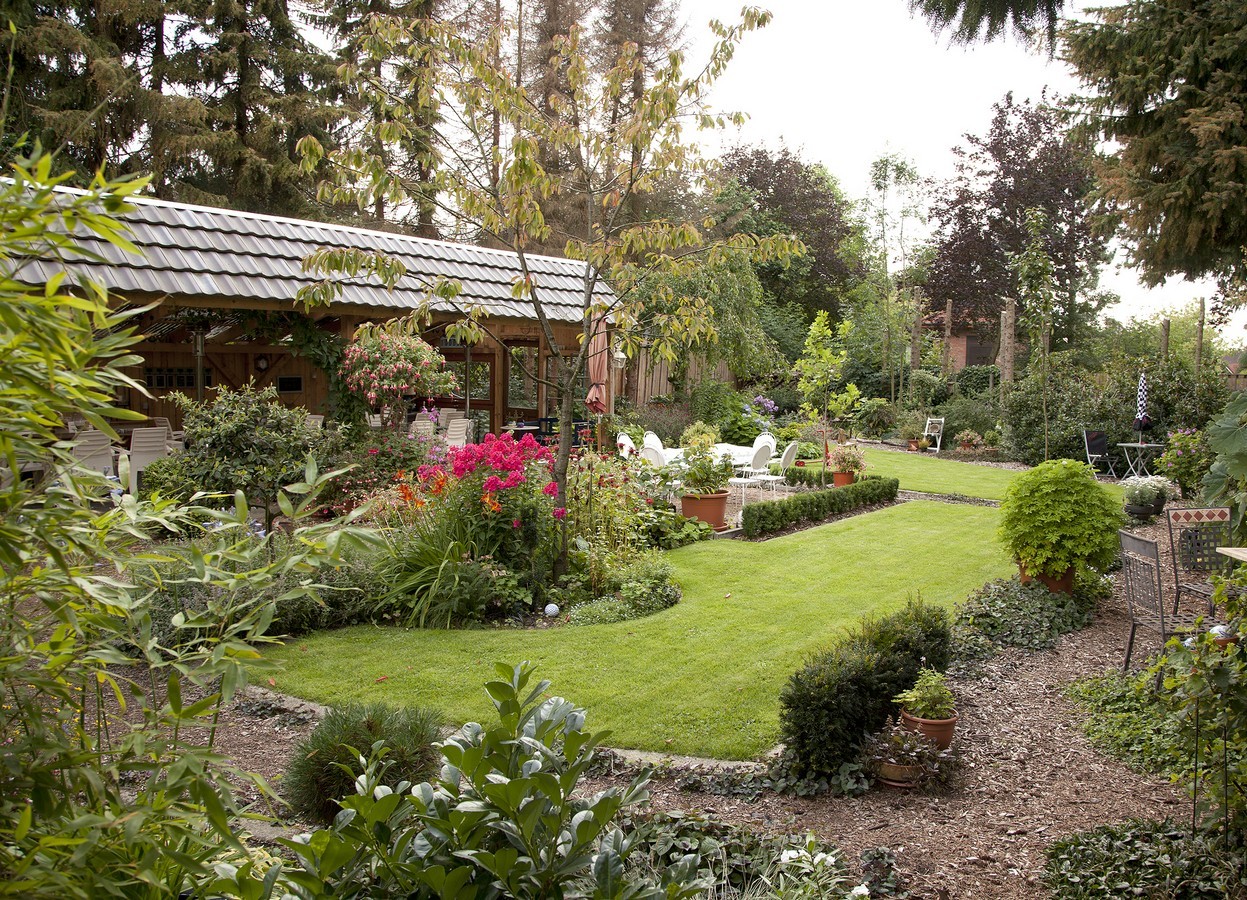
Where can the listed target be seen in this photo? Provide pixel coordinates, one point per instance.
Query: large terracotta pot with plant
(704, 477)
(929, 708)
(845, 462)
(900, 758)
(1055, 519)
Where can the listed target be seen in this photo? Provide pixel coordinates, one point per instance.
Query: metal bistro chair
(1096, 445)
(752, 472)
(785, 463)
(1194, 536)
(1146, 599)
(934, 432)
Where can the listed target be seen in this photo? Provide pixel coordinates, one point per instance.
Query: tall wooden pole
(1199, 340)
(1164, 339)
(946, 366)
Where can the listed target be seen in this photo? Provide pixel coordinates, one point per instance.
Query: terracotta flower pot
(940, 731)
(843, 479)
(708, 508)
(1061, 584)
(913, 443)
(898, 776)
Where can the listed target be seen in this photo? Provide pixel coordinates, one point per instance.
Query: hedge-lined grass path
(702, 678)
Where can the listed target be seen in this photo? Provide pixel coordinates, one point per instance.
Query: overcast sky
(846, 82)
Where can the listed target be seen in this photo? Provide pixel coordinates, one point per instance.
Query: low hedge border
(813, 506)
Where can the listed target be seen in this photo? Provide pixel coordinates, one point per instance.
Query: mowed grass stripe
(702, 678)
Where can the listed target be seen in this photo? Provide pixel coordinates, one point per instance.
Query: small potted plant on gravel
(1057, 517)
(929, 707)
(900, 758)
(911, 434)
(1141, 497)
(704, 477)
(846, 462)
(969, 440)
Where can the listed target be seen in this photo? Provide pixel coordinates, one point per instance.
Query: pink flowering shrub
(1186, 460)
(384, 369)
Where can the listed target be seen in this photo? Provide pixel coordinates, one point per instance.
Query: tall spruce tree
(260, 87)
(1168, 86)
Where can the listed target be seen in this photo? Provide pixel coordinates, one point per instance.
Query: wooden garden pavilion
(218, 278)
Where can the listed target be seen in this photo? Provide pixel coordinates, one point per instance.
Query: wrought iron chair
(1096, 445)
(785, 463)
(1194, 536)
(1145, 597)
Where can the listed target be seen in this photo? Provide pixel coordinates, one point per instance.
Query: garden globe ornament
(552, 610)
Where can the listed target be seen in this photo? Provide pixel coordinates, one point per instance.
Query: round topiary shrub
(1056, 516)
(316, 780)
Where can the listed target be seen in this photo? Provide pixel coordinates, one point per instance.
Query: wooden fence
(654, 377)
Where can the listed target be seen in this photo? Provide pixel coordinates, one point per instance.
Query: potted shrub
(704, 477)
(1057, 517)
(929, 707)
(901, 758)
(969, 439)
(911, 433)
(846, 462)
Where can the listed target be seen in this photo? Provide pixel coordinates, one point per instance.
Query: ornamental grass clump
(1057, 517)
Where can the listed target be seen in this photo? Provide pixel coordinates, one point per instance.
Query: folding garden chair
(1096, 445)
(1194, 536)
(934, 432)
(1140, 569)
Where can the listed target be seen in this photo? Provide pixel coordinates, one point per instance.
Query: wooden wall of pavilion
(491, 394)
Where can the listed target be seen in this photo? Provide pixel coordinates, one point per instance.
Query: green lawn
(702, 678)
(929, 473)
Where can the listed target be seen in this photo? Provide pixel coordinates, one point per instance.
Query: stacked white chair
(625, 445)
(146, 446)
(94, 452)
(421, 426)
(458, 432)
(652, 456)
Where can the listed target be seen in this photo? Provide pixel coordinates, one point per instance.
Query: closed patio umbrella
(1142, 422)
(599, 368)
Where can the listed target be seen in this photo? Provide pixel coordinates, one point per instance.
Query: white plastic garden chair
(173, 438)
(653, 457)
(625, 445)
(374, 420)
(314, 421)
(146, 446)
(785, 463)
(93, 451)
(458, 432)
(446, 416)
(653, 440)
(422, 426)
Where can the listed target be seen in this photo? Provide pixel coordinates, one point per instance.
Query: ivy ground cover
(702, 678)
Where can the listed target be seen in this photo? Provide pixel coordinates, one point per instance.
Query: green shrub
(741, 427)
(325, 764)
(1075, 402)
(874, 417)
(813, 506)
(335, 596)
(246, 440)
(375, 456)
(1056, 516)
(638, 586)
(1144, 859)
(168, 477)
(712, 400)
(846, 692)
(978, 414)
(973, 381)
(667, 420)
(1186, 460)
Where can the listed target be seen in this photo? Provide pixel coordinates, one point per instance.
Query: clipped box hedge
(845, 692)
(775, 515)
